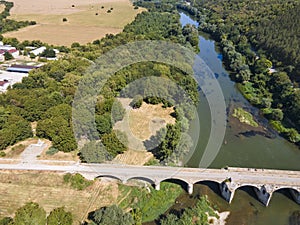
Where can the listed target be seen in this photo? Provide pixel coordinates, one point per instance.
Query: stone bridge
(264, 182)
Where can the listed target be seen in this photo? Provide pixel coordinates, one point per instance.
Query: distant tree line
(8, 24)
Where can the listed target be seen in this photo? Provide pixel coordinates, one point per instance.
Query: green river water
(242, 148)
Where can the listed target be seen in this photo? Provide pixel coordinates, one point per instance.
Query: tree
(32, 56)
(59, 131)
(94, 152)
(262, 65)
(30, 214)
(59, 216)
(8, 56)
(64, 19)
(6, 221)
(48, 53)
(111, 215)
(136, 102)
(103, 123)
(117, 111)
(276, 114)
(115, 142)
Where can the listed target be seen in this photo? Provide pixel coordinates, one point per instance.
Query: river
(241, 150)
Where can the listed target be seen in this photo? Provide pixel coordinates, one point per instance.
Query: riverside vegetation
(247, 32)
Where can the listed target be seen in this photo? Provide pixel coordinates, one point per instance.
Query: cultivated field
(82, 25)
(49, 190)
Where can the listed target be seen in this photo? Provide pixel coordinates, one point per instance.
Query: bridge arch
(211, 184)
(289, 192)
(279, 189)
(259, 193)
(146, 179)
(183, 183)
(111, 177)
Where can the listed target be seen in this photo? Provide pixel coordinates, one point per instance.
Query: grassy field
(50, 191)
(82, 25)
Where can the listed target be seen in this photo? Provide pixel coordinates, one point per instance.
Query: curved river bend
(242, 148)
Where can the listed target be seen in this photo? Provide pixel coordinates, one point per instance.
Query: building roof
(20, 68)
(23, 66)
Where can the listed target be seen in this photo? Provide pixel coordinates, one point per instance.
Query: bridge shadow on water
(249, 190)
(214, 186)
(285, 192)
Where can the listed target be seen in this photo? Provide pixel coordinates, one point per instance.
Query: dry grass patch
(148, 119)
(50, 191)
(83, 25)
(2, 7)
(132, 157)
(140, 124)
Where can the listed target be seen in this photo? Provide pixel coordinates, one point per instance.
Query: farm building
(7, 48)
(38, 51)
(20, 68)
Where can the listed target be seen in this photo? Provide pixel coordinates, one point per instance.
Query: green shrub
(77, 181)
(2, 154)
(52, 151)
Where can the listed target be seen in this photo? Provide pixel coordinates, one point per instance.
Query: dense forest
(280, 37)
(243, 29)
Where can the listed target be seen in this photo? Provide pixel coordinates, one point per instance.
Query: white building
(8, 48)
(38, 51)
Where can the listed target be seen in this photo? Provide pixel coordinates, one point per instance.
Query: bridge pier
(296, 195)
(157, 186)
(190, 188)
(225, 192)
(263, 195)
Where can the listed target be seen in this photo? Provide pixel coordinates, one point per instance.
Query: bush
(136, 7)
(2, 154)
(112, 215)
(64, 19)
(8, 56)
(109, 11)
(77, 181)
(52, 151)
(136, 102)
